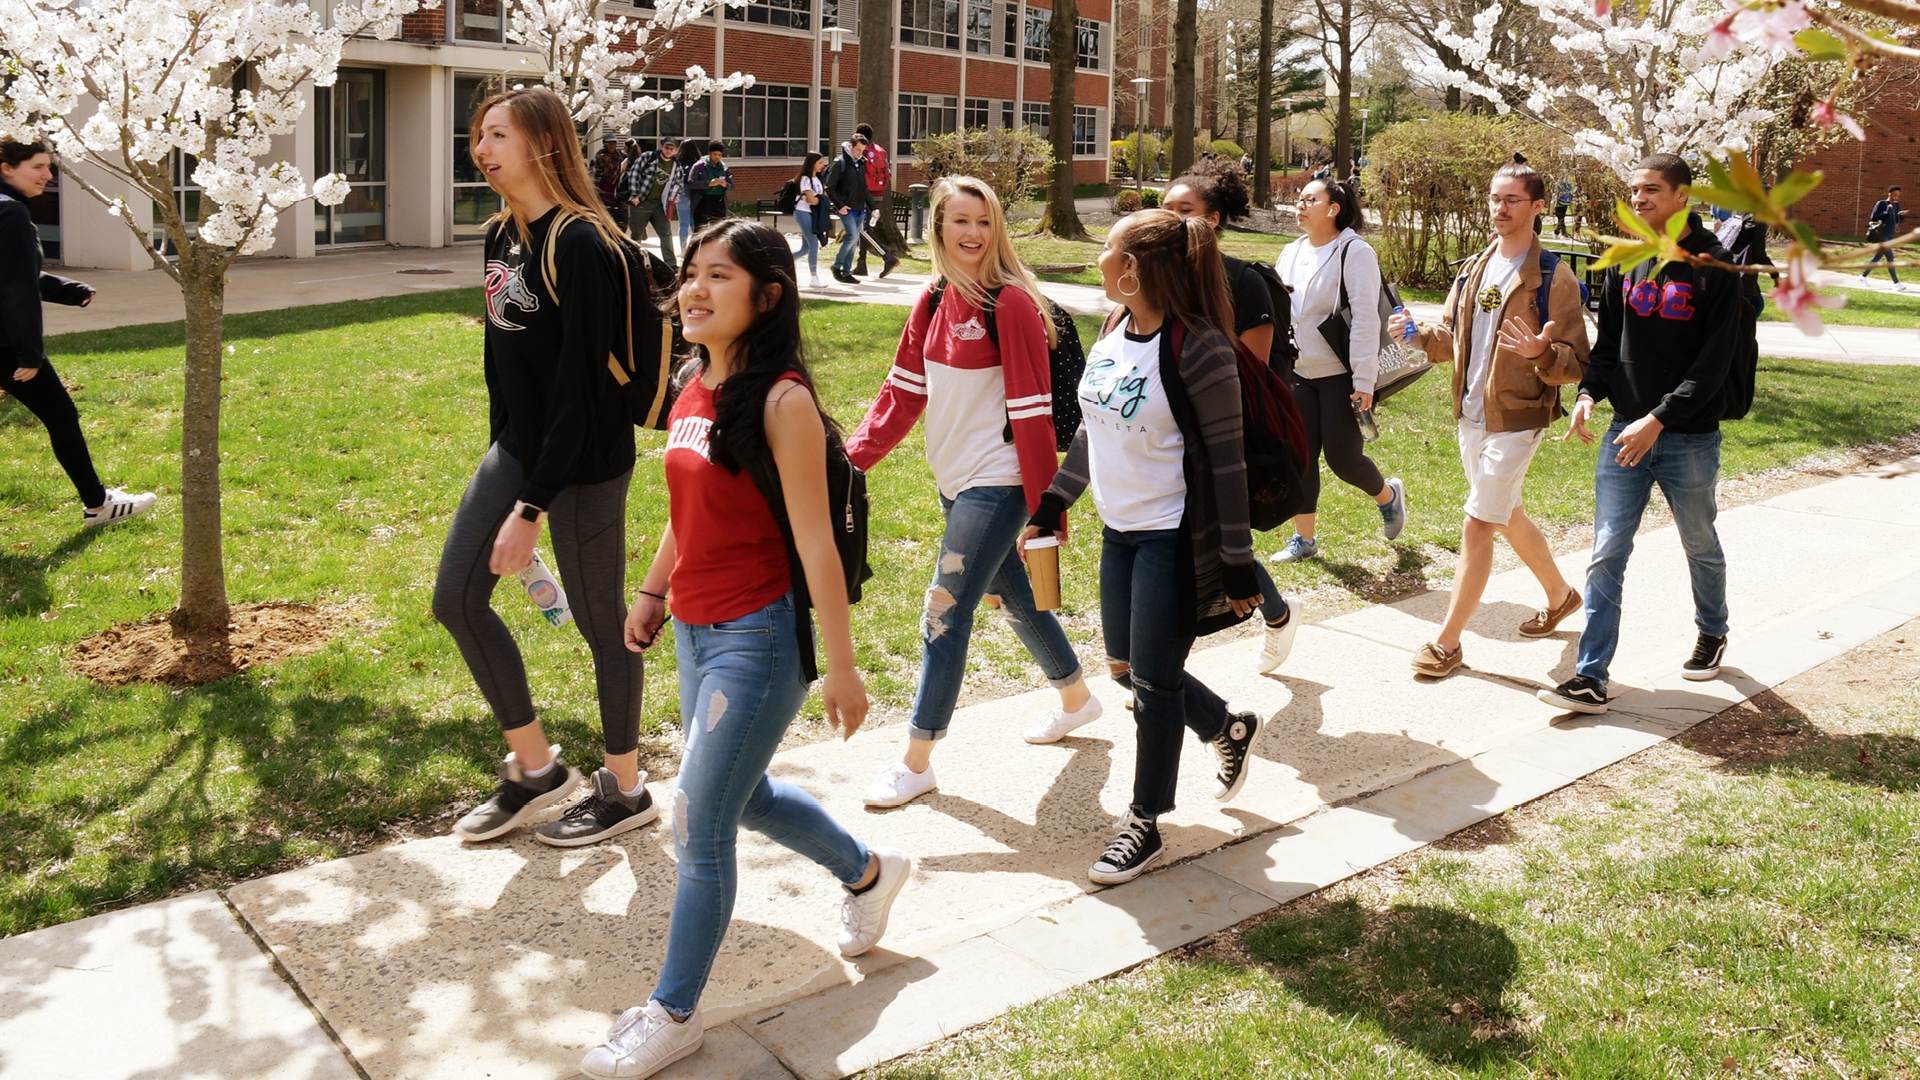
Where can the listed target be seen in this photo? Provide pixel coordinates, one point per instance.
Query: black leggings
(1326, 409)
(47, 399)
(587, 524)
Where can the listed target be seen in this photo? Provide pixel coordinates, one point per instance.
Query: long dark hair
(690, 154)
(806, 167)
(1178, 263)
(768, 349)
(1344, 196)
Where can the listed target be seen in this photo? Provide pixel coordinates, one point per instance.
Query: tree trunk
(1263, 112)
(1186, 44)
(873, 104)
(203, 576)
(1343, 126)
(1060, 218)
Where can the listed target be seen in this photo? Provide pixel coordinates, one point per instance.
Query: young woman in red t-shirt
(724, 562)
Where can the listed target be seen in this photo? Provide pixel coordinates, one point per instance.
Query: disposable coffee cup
(1043, 569)
(545, 592)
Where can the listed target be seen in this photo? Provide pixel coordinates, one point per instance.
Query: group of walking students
(749, 546)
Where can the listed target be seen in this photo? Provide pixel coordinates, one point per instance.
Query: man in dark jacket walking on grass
(1666, 343)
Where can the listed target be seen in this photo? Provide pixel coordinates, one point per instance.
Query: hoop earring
(1122, 284)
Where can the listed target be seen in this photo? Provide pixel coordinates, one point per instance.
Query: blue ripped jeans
(1686, 467)
(740, 686)
(977, 557)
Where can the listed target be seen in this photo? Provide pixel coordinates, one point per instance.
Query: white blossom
(597, 65)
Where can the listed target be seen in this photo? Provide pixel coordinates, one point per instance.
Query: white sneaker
(1056, 723)
(1280, 638)
(642, 1042)
(863, 918)
(1899, 286)
(119, 507)
(899, 786)
(817, 284)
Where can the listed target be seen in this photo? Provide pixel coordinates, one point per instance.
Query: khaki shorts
(1496, 464)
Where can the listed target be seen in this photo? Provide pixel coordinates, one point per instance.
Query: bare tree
(1340, 39)
(1263, 111)
(1060, 218)
(872, 101)
(1186, 45)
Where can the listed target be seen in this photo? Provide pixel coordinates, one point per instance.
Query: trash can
(916, 234)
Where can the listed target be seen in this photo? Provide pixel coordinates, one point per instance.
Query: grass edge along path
(349, 431)
(1742, 900)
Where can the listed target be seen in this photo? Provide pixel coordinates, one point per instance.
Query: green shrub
(1127, 201)
(1008, 159)
(1150, 198)
(1229, 150)
(1125, 157)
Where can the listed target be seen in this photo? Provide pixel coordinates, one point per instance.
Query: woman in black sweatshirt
(561, 451)
(25, 372)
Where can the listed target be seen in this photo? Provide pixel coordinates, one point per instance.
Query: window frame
(931, 35)
(798, 99)
(913, 118)
(774, 14)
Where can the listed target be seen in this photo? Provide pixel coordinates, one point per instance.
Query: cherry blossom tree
(122, 90)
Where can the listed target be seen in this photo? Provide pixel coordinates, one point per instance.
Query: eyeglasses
(1511, 202)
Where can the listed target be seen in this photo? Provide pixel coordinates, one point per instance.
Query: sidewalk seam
(326, 1028)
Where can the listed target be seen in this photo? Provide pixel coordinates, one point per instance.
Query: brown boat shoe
(1436, 662)
(1546, 620)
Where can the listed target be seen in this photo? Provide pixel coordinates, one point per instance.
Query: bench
(766, 208)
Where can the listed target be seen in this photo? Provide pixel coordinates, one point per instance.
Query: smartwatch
(527, 511)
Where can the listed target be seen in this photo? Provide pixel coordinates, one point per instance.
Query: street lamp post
(1139, 138)
(1364, 113)
(838, 33)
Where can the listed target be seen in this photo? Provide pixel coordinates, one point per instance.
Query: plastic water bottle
(1369, 431)
(545, 592)
(1407, 331)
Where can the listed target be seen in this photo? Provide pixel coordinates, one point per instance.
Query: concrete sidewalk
(128, 299)
(434, 959)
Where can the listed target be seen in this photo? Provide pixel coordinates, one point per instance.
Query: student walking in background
(1883, 225)
(1328, 270)
(1160, 447)
(561, 454)
(1213, 191)
(879, 176)
(709, 183)
(680, 193)
(990, 440)
(643, 191)
(846, 183)
(26, 373)
(1509, 360)
(1665, 346)
(723, 567)
(809, 210)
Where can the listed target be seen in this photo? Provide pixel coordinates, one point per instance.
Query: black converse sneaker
(606, 812)
(518, 798)
(1704, 664)
(1578, 694)
(1232, 746)
(1132, 851)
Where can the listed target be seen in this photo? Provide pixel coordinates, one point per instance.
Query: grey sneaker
(606, 812)
(518, 798)
(1298, 549)
(1393, 515)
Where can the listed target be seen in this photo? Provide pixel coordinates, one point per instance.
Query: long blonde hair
(999, 267)
(542, 117)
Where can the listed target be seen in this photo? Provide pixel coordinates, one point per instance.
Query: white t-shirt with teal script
(1134, 447)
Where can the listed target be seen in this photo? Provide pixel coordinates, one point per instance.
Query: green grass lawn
(350, 431)
(1758, 920)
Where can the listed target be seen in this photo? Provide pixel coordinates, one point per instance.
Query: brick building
(1144, 49)
(1858, 173)
(396, 122)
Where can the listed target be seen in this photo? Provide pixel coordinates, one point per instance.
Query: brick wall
(990, 80)
(773, 58)
(425, 25)
(1858, 173)
(928, 73)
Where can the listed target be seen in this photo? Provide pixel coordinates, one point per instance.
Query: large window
(1006, 114)
(1085, 141)
(1039, 35)
(186, 198)
(1086, 44)
(980, 27)
(350, 138)
(930, 22)
(686, 117)
(478, 20)
(1011, 39)
(979, 113)
(793, 14)
(766, 120)
(473, 200)
(922, 115)
(1034, 116)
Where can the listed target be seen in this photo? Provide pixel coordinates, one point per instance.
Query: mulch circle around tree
(154, 651)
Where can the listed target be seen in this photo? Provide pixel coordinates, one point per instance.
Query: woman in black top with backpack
(562, 452)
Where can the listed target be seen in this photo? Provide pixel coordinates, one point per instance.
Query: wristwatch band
(526, 511)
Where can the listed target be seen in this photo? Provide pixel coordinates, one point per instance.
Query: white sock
(1083, 708)
(637, 788)
(535, 774)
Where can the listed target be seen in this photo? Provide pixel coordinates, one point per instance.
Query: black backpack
(1284, 353)
(789, 196)
(1066, 362)
(648, 344)
(1272, 437)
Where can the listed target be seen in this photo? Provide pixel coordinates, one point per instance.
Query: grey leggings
(587, 524)
(1326, 410)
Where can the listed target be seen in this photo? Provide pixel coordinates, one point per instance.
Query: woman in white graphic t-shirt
(973, 359)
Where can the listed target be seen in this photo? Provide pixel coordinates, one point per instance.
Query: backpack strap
(1549, 262)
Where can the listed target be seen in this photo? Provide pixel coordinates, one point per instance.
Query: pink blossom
(1772, 26)
(1601, 7)
(1825, 115)
(1796, 297)
(1720, 40)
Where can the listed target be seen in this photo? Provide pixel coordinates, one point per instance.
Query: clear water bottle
(1407, 331)
(1369, 431)
(545, 592)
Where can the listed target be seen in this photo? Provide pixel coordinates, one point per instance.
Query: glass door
(350, 138)
(473, 198)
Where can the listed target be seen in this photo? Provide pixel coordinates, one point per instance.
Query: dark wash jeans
(1138, 594)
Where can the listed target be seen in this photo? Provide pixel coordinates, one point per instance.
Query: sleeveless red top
(730, 559)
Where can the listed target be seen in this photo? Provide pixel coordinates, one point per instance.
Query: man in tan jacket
(1508, 366)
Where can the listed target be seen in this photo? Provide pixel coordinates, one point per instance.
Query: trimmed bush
(1122, 151)
(1126, 202)
(1228, 149)
(1008, 159)
(1150, 198)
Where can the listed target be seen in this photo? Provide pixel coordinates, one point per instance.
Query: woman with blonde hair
(973, 359)
(1160, 447)
(560, 453)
